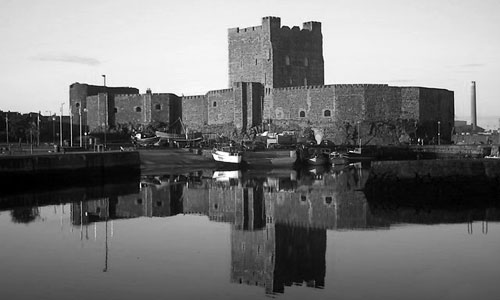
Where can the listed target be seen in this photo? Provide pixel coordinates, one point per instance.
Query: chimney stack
(473, 106)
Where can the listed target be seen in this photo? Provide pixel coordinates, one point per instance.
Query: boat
(357, 154)
(314, 155)
(337, 158)
(179, 139)
(138, 140)
(228, 155)
(318, 156)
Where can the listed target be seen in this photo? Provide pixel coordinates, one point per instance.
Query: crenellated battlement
(128, 95)
(245, 30)
(360, 85)
(219, 92)
(193, 97)
(338, 86)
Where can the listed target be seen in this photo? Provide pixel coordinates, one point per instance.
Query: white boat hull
(226, 157)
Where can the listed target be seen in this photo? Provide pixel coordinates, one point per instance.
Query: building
(276, 82)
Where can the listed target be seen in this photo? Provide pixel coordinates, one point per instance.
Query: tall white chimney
(473, 118)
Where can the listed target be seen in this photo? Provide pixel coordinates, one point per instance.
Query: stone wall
(194, 111)
(221, 107)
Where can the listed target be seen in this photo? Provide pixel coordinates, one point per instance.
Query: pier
(77, 167)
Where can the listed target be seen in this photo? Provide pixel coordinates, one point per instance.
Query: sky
(181, 46)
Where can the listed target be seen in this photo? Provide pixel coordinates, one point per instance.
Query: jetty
(59, 168)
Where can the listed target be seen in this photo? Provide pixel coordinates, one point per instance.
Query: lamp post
(70, 127)
(439, 132)
(38, 129)
(80, 120)
(7, 128)
(60, 127)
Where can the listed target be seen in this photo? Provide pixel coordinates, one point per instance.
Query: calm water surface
(233, 235)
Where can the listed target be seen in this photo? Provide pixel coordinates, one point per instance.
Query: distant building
(276, 82)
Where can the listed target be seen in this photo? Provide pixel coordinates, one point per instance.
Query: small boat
(138, 140)
(167, 135)
(227, 155)
(337, 158)
(315, 156)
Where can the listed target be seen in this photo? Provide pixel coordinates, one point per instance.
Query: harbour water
(207, 234)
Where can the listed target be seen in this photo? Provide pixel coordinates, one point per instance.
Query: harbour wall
(56, 169)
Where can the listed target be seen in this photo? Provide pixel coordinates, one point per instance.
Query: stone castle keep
(276, 80)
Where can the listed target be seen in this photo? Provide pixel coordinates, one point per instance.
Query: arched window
(215, 104)
(138, 109)
(327, 113)
(158, 107)
(302, 114)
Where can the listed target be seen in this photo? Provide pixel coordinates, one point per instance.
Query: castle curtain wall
(194, 112)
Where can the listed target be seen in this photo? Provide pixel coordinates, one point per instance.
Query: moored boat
(337, 158)
(227, 155)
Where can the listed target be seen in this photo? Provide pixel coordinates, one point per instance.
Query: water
(234, 235)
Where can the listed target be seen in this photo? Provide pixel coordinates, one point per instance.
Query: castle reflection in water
(278, 222)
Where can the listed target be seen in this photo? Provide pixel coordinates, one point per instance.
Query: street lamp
(7, 128)
(80, 120)
(60, 127)
(70, 126)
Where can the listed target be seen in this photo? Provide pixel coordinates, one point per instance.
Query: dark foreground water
(233, 235)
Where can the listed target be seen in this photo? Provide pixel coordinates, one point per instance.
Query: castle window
(328, 200)
(306, 62)
(215, 104)
(255, 61)
(138, 109)
(327, 113)
(138, 201)
(303, 198)
(287, 60)
(302, 114)
(158, 107)
(77, 104)
(115, 110)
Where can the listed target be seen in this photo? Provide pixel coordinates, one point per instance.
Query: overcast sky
(181, 46)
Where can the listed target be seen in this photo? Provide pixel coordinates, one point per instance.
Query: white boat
(227, 155)
(336, 158)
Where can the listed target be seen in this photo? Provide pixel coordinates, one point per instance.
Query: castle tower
(276, 56)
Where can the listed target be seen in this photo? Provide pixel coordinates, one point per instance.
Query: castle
(276, 80)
